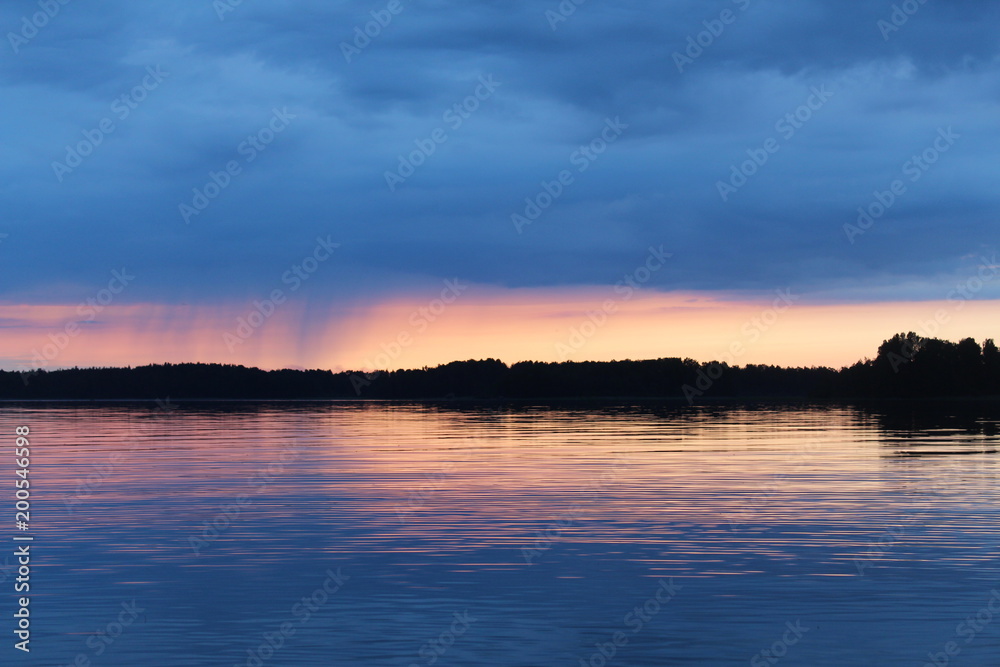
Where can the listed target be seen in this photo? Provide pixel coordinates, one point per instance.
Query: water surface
(515, 536)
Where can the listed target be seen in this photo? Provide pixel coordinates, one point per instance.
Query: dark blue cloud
(893, 91)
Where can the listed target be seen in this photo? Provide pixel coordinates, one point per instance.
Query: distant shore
(906, 366)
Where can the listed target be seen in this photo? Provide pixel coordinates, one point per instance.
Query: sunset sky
(264, 183)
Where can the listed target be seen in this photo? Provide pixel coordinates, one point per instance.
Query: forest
(904, 366)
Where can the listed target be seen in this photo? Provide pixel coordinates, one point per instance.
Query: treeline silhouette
(905, 366)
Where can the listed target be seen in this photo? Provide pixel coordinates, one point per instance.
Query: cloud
(657, 184)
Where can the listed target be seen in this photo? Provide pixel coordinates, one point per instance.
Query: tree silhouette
(905, 366)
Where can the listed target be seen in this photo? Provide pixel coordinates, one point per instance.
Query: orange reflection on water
(218, 518)
(693, 485)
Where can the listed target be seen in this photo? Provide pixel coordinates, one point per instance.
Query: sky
(394, 184)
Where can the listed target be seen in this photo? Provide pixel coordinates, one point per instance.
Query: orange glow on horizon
(539, 325)
(511, 325)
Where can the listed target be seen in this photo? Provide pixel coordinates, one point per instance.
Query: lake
(511, 535)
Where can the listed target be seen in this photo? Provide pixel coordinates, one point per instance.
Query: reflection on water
(388, 534)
